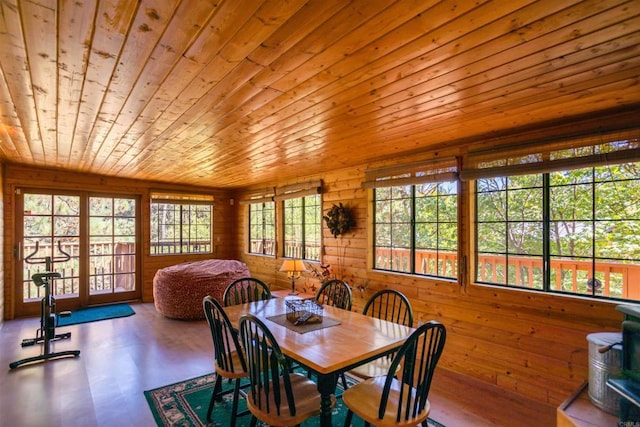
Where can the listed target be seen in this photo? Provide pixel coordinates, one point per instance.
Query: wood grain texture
(236, 93)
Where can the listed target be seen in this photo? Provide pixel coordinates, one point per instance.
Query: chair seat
(237, 363)
(376, 368)
(307, 400)
(364, 400)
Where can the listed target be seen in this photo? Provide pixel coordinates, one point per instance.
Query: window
(302, 227)
(262, 230)
(416, 229)
(566, 229)
(181, 223)
(416, 218)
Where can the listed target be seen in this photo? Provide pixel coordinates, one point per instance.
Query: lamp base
(293, 287)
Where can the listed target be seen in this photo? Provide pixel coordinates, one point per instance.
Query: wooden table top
(333, 349)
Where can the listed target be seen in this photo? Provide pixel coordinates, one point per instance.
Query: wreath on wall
(339, 219)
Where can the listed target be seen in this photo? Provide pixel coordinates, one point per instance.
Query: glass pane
(525, 181)
(572, 202)
(448, 237)
(66, 205)
(124, 208)
(100, 226)
(448, 208)
(426, 209)
(67, 226)
(37, 204)
(491, 206)
(492, 237)
(571, 238)
(525, 238)
(525, 205)
(427, 236)
(618, 240)
(100, 206)
(37, 226)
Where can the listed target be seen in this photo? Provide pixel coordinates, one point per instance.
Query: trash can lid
(605, 338)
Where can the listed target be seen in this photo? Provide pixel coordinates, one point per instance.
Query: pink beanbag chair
(178, 290)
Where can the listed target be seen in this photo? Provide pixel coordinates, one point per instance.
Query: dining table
(342, 341)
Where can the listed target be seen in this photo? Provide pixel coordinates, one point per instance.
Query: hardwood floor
(121, 358)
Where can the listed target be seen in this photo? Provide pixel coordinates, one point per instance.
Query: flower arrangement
(339, 219)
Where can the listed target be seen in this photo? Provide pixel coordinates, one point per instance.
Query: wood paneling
(237, 93)
(2, 253)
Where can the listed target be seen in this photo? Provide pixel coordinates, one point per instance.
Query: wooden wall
(224, 219)
(2, 239)
(527, 342)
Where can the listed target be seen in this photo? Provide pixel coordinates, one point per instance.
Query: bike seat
(40, 278)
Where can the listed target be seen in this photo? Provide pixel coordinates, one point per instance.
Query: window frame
(304, 244)
(264, 226)
(585, 160)
(185, 203)
(433, 266)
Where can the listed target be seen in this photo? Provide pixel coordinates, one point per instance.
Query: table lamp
(293, 268)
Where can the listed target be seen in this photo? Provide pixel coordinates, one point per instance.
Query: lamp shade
(293, 266)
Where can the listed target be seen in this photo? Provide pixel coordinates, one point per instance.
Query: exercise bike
(48, 315)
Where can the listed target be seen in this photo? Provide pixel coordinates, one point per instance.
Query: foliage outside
(593, 228)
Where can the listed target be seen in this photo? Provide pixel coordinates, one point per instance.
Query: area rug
(93, 314)
(185, 404)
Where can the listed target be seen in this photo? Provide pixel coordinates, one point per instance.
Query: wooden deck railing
(618, 279)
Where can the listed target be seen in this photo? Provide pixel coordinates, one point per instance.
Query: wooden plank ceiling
(232, 93)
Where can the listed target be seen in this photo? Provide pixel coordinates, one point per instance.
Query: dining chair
(336, 293)
(246, 289)
(229, 357)
(400, 401)
(276, 395)
(390, 305)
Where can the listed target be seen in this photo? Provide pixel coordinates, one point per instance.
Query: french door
(89, 239)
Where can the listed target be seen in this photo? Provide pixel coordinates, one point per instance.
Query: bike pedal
(64, 313)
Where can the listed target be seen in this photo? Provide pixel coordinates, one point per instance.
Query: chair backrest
(335, 293)
(225, 338)
(268, 368)
(246, 289)
(391, 305)
(417, 359)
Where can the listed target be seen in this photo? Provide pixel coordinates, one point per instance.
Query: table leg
(326, 387)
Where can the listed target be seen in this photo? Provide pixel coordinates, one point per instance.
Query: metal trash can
(603, 366)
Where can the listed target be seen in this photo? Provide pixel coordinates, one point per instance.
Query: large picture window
(416, 229)
(262, 230)
(302, 227)
(564, 220)
(574, 231)
(181, 223)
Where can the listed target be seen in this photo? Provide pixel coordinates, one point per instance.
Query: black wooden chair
(246, 289)
(276, 396)
(390, 305)
(229, 357)
(402, 401)
(335, 293)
